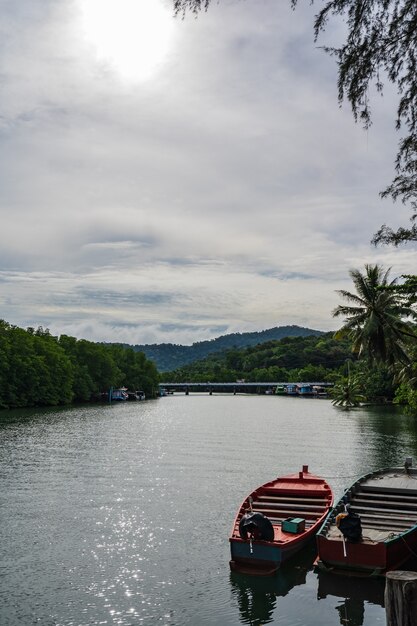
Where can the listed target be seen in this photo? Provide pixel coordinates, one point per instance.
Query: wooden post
(401, 598)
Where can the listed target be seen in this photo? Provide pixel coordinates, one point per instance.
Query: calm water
(121, 514)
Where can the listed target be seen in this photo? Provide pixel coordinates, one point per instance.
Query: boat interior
(386, 504)
(278, 507)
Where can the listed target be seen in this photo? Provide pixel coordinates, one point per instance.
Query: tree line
(38, 369)
(293, 359)
(380, 320)
(290, 359)
(170, 356)
(372, 357)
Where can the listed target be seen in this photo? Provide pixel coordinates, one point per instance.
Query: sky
(172, 180)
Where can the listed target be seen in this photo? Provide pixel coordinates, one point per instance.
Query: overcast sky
(172, 180)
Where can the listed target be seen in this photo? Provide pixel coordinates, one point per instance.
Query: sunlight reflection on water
(121, 514)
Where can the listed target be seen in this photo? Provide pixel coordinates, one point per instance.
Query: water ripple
(121, 514)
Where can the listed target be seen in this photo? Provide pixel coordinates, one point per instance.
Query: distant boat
(118, 394)
(291, 390)
(136, 395)
(304, 389)
(320, 392)
(280, 390)
(373, 527)
(276, 520)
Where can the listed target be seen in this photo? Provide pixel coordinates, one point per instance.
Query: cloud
(227, 193)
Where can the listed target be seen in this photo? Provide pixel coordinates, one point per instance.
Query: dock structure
(314, 389)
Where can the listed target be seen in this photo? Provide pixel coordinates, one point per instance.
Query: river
(120, 514)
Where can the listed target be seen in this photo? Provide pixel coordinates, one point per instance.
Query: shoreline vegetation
(38, 369)
(297, 359)
(372, 359)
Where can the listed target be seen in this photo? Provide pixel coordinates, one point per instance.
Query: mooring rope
(408, 547)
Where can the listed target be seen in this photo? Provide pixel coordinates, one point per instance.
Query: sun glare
(132, 36)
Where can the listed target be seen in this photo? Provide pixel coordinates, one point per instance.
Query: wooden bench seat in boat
(386, 497)
(386, 505)
(384, 525)
(406, 516)
(295, 499)
(290, 505)
(392, 484)
(288, 512)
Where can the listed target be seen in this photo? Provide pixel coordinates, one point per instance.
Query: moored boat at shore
(118, 394)
(373, 527)
(136, 395)
(276, 520)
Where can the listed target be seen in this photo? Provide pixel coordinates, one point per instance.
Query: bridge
(317, 389)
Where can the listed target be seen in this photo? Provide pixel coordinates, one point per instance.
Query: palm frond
(379, 325)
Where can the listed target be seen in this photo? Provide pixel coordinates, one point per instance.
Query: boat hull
(295, 507)
(370, 560)
(265, 557)
(386, 503)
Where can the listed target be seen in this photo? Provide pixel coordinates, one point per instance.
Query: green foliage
(363, 381)
(406, 395)
(37, 369)
(406, 392)
(387, 235)
(378, 381)
(136, 372)
(376, 320)
(290, 359)
(168, 356)
(347, 392)
(407, 290)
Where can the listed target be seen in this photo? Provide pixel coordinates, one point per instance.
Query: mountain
(288, 359)
(169, 356)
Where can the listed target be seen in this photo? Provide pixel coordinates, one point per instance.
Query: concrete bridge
(318, 389)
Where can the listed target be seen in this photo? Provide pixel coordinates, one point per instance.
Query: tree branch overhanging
(381, 44)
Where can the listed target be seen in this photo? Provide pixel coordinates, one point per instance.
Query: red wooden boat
(373, 527)
(276, 520)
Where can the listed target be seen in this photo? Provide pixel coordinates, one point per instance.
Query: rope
(408, 547)
(360, 475)
(341, 477)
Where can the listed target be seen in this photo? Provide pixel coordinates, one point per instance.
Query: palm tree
(347, 393)
(376, 320)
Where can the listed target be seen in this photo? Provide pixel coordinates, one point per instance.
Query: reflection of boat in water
(355, 592)
(257, 596)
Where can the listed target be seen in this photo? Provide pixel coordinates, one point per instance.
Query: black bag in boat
(257, 525)
(351, 527)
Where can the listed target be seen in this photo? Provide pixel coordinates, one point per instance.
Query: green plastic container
(294, 525)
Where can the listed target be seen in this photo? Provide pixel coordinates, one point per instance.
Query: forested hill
(290, 359)
(169, 356)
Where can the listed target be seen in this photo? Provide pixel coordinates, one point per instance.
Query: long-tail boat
(373, 527)
(276, 520)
